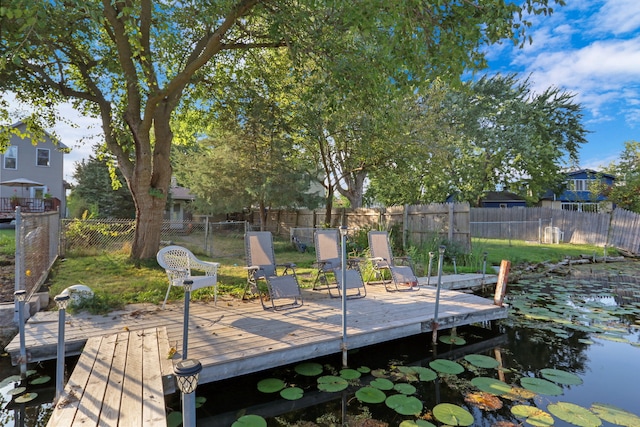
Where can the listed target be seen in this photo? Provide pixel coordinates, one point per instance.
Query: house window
(11, 158)
(42, 157)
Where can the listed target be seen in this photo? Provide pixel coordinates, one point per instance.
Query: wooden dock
(117, 382)
(461, 281)
(239, 337)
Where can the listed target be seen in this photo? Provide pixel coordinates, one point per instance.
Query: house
(36, 172)
(585, 191)
(502, 199)
(179, 214)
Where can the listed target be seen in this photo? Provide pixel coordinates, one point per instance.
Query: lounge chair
(178, 263)
(261, 266)
(328, 261)
(382, 260)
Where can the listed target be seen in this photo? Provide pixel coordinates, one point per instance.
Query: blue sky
(590, 48)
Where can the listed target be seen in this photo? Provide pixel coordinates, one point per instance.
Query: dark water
(588, 329)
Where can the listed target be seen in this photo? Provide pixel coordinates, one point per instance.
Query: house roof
(502, 196)
(181, 193)
(590, 172)
(55, 141)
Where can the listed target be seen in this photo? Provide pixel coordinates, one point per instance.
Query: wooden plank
(91, 401)
(131, 404)
(111, 403)
(166, 365)
(66, 408)
(153, 411)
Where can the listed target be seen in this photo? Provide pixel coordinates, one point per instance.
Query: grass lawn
(116, 281)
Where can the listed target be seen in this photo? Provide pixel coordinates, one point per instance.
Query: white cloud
(618, 17)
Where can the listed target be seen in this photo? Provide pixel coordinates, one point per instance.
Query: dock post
(61, 302)
(484, 266)
(343, 272)
(185, 324)
(429, 269)
(187, 372)
(434, 325)
(20, 296)
(455, 267)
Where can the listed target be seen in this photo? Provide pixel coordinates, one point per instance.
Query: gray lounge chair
(262, 274)
(328, 261)
(383, 261)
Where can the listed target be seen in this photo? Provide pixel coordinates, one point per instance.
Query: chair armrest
(210, 268)
(252, 268)
(287, 265)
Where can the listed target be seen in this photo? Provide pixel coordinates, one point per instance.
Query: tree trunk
(327, 212)
(149, 216)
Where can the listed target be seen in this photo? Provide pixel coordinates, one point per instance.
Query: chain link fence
(215, 239)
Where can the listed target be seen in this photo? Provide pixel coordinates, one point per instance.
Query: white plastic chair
(178, 263)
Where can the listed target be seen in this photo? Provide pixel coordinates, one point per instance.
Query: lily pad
(452, 415)
(27, 397)
(382, 384)
(416, 423)
(308, 369)
(271, 385)
(292, 393)
(174, 419)
(446, 366)
(16, 391)
(350, 374)
(332, 383)
(404, 388)
(250, 421)
(491, 385)
(364, 369)
(483, 400)
(541, 386)
(40, 380)
(482, 361)
(9, 380)
(574, 414)
(615, 415)
(370, 395)
(532, 415)
(452, 339)
(425, 374)
(404, 405)
(200, 400)
(561, 377)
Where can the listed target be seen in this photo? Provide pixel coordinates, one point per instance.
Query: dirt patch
(7, 278)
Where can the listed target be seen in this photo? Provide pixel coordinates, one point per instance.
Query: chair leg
(166, 297)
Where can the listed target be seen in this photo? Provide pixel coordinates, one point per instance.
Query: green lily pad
(446, 366)
(16, 391)
(40, 380)
(561, 377)
(11, 379)
(332, 383)
(271, 385)
(200, 400)
(532, 415)
(308, 369)
(425, 374)
(27, 397)
(615, 415)
(174, 419)
(404, 388)
(364, 369)
(452, 415)
(404, 405)
(350, 374)
(541, 386)
(481, 361)
(416, 423)
(491, 385)
(250, 421)
(574, 414)
(382, 384)
(452, 339)
(292, 393)
(370, 395)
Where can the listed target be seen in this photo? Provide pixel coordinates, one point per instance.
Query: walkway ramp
(117, 382)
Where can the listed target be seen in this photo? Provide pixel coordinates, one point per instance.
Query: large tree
(135, 63)
(626, 191)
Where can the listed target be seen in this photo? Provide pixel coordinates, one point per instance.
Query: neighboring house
(585, 191)
(502, 199)
(180, 199)
(42, 163)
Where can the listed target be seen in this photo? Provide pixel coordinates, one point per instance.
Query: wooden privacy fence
(418, 222)
(625, 231)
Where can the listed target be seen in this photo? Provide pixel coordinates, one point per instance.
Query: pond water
(569, 354)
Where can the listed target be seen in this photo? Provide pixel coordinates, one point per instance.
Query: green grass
(7, 242)
(116, 281)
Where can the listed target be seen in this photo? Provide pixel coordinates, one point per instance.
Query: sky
(590, 48)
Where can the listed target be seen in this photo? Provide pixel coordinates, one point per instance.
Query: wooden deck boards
(239, 337)
(116, 382)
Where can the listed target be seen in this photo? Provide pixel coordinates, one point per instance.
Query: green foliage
(7, 242)
(626, 191)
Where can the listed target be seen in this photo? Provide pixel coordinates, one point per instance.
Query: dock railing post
(343, 273)
(61, 302)
(187, 372)
(484, 266)
(186, 285)
(20, 296)
(429, 269)
(434, 326)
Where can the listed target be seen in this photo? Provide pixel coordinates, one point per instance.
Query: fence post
(19, 278)
(405, 225)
